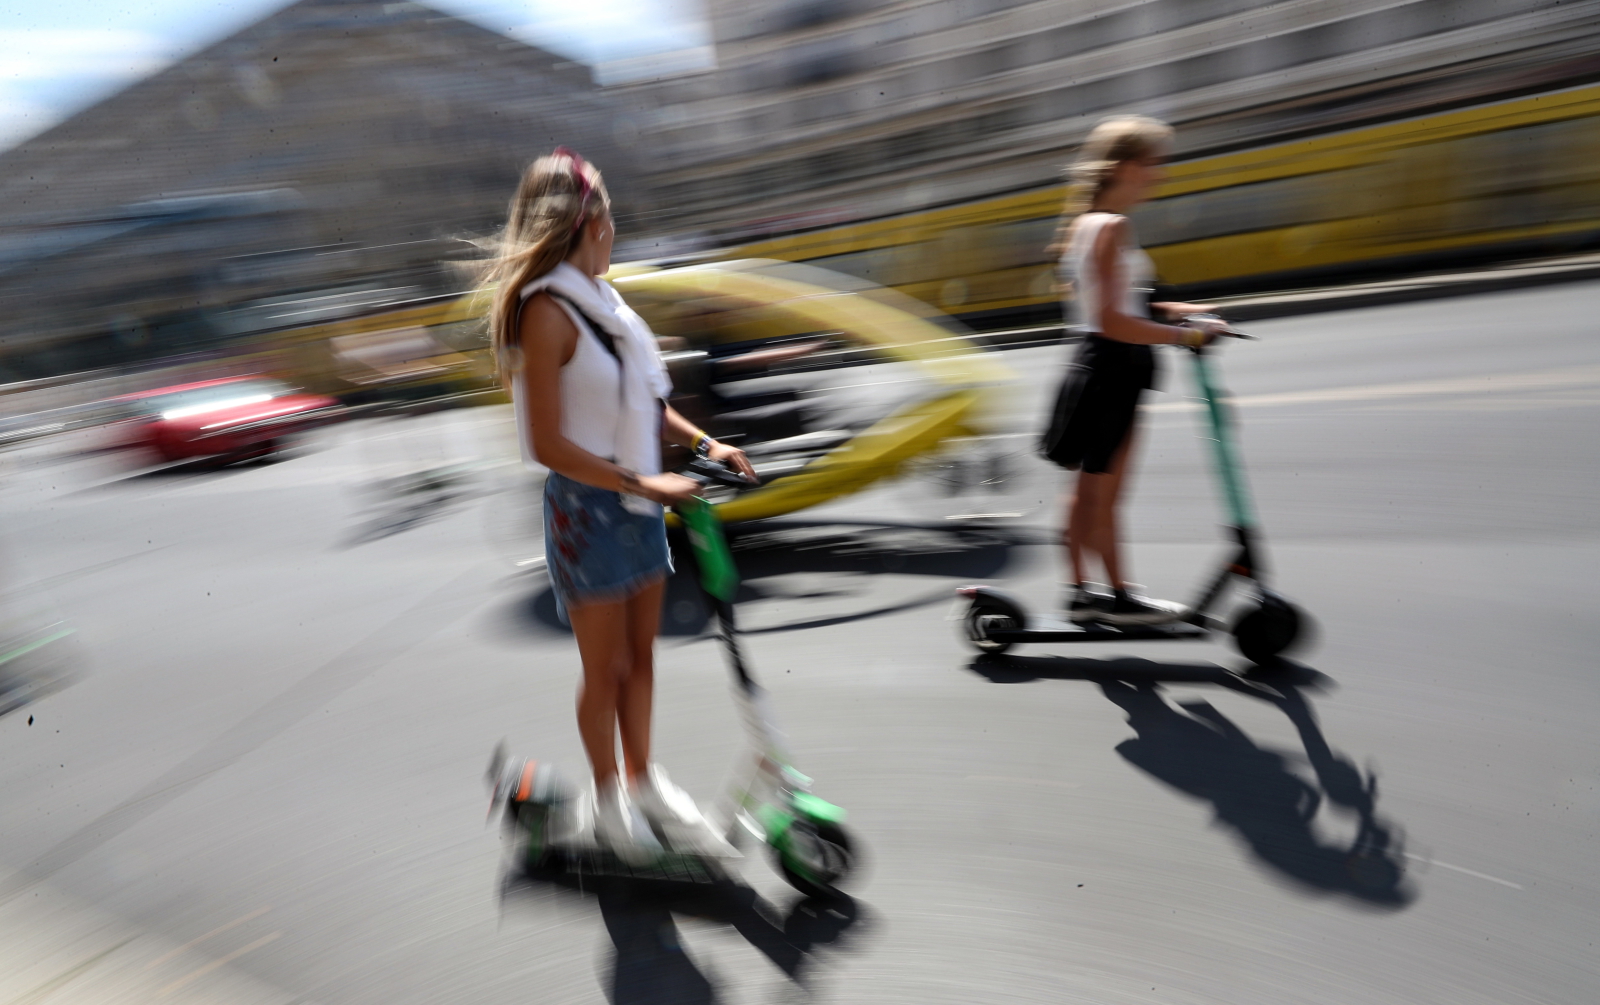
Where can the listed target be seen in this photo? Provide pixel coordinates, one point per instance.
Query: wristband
(1193, 338)
(702, 443)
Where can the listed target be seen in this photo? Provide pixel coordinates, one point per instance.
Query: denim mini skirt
(595, 550)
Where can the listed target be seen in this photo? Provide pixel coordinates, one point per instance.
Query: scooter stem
(1229, 473)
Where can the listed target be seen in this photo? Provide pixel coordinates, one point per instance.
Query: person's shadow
(649, 965)
(1194, 748)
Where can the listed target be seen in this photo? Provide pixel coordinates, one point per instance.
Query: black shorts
(1095, 407)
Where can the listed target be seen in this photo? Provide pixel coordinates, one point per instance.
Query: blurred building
(825, 111)
(333, 148)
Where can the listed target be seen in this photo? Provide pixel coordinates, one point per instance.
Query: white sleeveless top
(609, 408)
(591, 396)
(1077, 268)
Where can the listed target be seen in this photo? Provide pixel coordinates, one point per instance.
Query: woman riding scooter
(1094, 426)
(588, 388)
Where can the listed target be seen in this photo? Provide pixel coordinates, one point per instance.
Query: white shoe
(621, 828)
(671, 809)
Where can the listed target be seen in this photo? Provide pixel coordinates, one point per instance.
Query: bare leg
(599, 629)
(638, 682)
(1109, 540)
(1092, 518)
(1088, 513)
(1073, 531)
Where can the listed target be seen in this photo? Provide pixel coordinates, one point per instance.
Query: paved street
(265, 784)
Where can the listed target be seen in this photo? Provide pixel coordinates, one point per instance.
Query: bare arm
(548, 339)
(1114, 324)
(1171, 309)
(676, 429)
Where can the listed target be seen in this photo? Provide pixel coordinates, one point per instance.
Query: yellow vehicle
(749, 303)
(759, 301)
(1510, 177)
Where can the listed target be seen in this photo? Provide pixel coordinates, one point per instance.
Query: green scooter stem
(719, 577)
(1223, 451)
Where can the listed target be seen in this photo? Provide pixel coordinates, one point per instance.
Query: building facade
(826, 111)
(338, 144)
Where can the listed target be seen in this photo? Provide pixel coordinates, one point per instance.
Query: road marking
(1490, 383)
(1469, 872)
(215, 931)
(218, 963)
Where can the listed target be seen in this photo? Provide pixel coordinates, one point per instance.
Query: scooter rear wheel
(829, 858)
(988, 613)
(1267, 630)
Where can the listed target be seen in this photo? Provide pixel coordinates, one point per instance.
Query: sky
(57, 58)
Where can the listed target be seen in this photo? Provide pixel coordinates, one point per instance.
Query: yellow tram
(1514, 176)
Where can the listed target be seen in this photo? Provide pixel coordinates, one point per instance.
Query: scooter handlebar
(1229, 331)
(707, 471)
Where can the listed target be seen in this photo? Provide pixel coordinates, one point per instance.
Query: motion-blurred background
(315, 173)
(245, 705)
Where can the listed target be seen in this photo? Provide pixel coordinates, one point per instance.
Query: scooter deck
(1041, 629)
(580, 863)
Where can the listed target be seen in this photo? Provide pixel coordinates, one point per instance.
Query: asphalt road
(265, 785)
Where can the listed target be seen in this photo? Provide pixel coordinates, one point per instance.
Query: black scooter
(1268, 625)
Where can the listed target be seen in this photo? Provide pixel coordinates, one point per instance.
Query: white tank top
(1077, 269)
(591, 396)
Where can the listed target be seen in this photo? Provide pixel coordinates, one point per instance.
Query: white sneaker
(621, 828)
(671, 809)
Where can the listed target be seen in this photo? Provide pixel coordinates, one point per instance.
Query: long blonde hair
(1112, 141)
(558, 195)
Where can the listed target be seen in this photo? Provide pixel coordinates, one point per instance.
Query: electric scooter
(769, 800)
(1265, 628)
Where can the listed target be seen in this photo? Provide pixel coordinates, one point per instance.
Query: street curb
(1256, 307)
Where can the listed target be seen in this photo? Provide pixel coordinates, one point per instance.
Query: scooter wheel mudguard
(1268, 629)
(817, 809)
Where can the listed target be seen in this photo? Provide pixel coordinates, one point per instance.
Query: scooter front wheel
(986, 614)
(815, 856)
(1267, 630)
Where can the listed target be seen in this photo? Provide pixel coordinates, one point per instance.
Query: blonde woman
(588, 387)
(1094, 426)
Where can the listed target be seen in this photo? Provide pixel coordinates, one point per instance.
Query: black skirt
(1095, 407)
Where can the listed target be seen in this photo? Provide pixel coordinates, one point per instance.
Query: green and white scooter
(1264, 628)
(768, 799)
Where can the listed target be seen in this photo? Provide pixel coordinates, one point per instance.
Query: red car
(232, 419)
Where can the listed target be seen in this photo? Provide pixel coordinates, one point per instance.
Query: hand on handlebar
(1209, 326)
(732, 458)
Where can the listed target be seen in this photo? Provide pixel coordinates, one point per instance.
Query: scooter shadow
(771, 549)
(649, 965)
(1192, 747)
